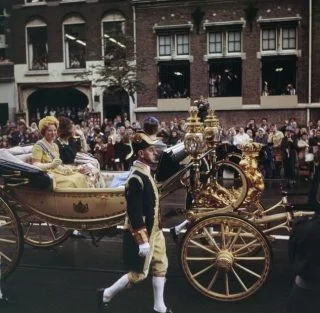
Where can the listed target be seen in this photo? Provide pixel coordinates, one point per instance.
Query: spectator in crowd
(240, 139)
(288, 150)
(274, 140)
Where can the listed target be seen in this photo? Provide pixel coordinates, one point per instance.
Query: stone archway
(60, 100)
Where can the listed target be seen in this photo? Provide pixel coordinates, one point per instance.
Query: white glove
(144, 249)
(55, 163)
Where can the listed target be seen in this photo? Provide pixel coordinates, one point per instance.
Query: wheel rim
(11, 241)
(216, 257)
(39, 233)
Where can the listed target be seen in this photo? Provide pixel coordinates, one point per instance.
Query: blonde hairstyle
(45, 122)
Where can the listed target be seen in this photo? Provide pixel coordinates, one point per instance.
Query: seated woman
(69, 145)
(45, 155)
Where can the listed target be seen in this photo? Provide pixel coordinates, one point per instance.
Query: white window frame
(275, 40)
(114, 16)
(279, 24)
(224, 43)
(34, 23)
(173, 47)
(71, 20)
(281, 36)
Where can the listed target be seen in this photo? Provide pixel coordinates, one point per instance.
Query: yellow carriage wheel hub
(224, 260)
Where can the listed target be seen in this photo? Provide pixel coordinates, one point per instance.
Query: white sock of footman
(118, 286)
(158, 290)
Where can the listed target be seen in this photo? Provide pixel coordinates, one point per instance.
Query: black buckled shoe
(174, 235)
(167, 311)
(103, 307)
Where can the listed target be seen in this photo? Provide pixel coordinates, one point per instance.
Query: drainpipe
(310, 61)
(134, 104)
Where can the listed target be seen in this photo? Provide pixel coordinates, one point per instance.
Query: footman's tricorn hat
(141, 141)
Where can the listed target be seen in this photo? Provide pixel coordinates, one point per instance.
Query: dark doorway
(4, 113)
(60, 100)
(115, 102)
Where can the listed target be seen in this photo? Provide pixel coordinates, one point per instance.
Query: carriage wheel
(215, 257)
(11, 240)
(41, 234)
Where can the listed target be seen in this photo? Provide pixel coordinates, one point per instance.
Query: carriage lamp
(212, 134)
(211, 129)
(194, 140)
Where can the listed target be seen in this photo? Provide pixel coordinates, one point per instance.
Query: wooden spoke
(246, 246)
(226, 281)
(202, 247)
(51, 232)
(5, 257)
(196, 258)
(235, 238)
(247, 270)
(213, 280)
(223, 238)
(239, 280)
(202, 271)
(8, 241)
(249, 258)
(211, 238)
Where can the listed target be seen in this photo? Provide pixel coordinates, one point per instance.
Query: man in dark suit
(144, 243)
(304, 255)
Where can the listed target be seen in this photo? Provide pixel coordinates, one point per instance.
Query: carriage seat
(115, 179)
(23, 153)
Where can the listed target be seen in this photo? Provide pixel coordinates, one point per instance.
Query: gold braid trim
(140, 236)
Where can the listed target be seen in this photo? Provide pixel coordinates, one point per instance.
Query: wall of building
(180, 12)
(8, 95)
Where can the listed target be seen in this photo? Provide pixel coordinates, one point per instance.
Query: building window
(215, 42)
(182, 44)
(268, 39)
(37, 45)
(288, 38)
(278, 75)
(234, 41)
(174, 79)
(164, 45)
(173, 45)
(224, 42)
(278, 39)
(113, 29)
(225, 77)
(75, 43)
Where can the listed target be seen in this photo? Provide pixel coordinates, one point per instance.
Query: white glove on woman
(55, 163)
(144, 249)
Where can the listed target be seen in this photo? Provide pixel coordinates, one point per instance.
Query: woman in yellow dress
(45, 155)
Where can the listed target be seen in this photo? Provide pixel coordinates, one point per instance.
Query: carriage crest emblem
(80, 207)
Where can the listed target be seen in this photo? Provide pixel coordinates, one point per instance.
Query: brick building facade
(272, 52)
(243, 56)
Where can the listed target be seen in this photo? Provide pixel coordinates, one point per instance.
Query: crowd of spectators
(289, 150)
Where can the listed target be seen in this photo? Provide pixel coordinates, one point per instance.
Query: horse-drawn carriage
(225, 254)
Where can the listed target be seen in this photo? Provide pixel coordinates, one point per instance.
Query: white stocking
(118, 286)
(181, 226)
(158, 290)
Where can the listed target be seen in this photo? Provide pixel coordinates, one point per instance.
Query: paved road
(63, 279)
